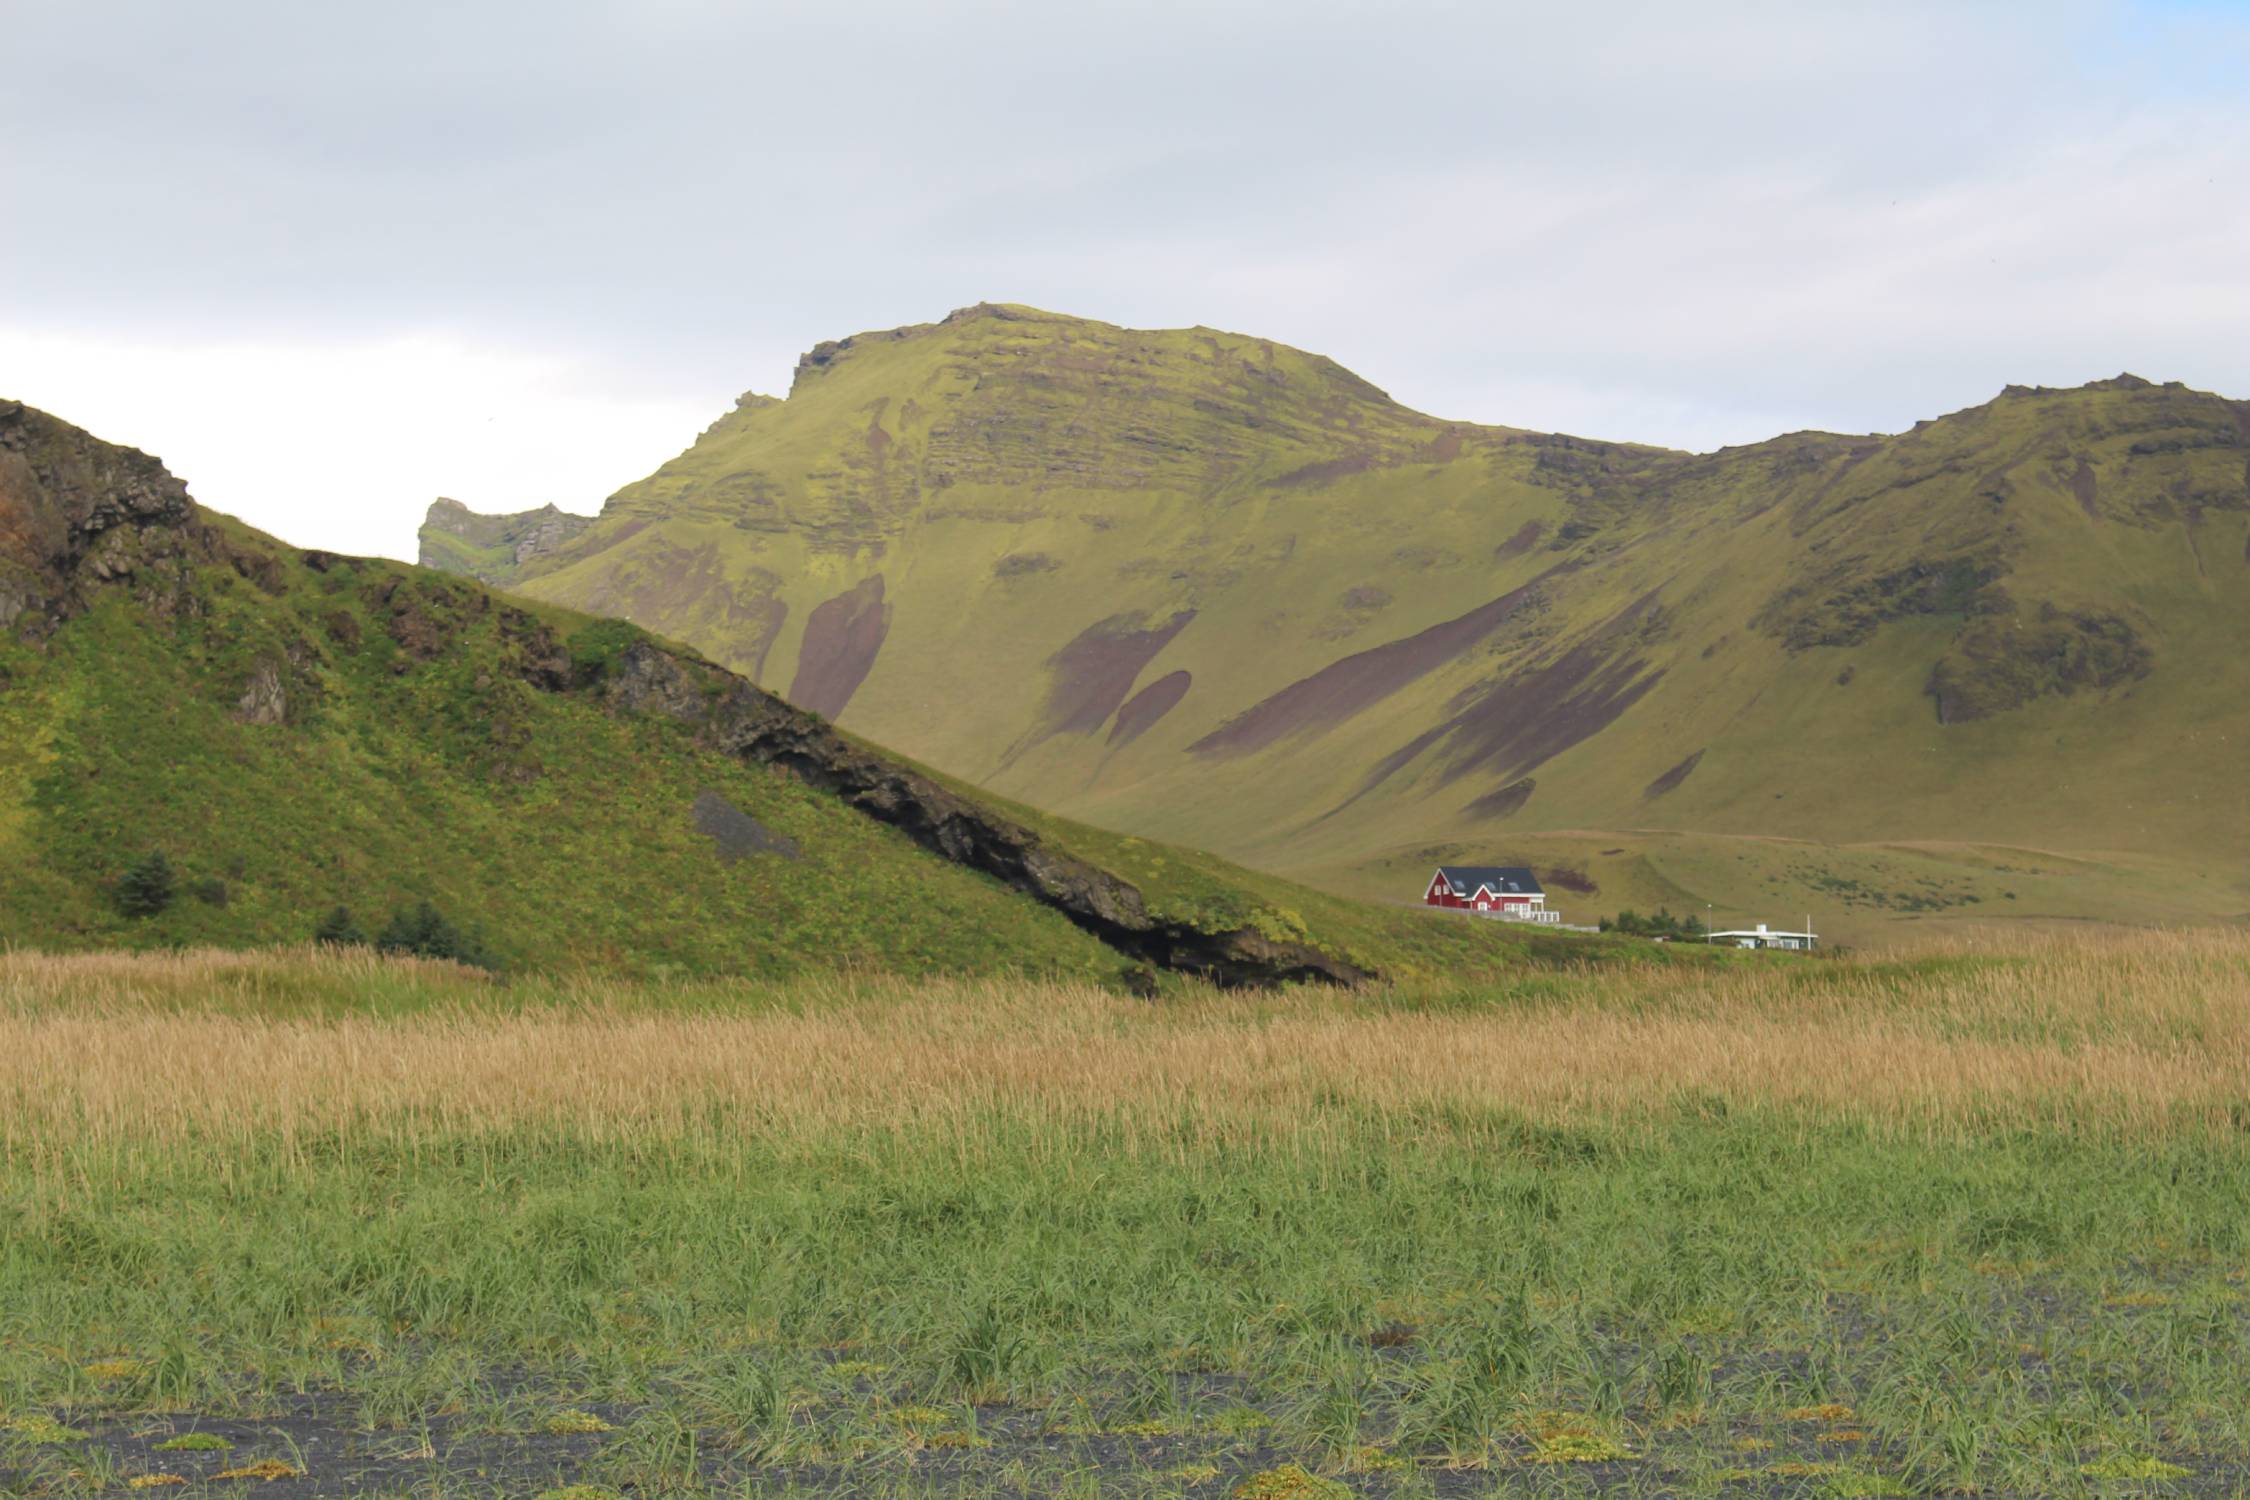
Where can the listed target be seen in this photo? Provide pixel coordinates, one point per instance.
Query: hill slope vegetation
(294, 732)
(1208, 588)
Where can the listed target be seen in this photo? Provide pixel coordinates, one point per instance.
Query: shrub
(340, 929)
(596, 649)
(425, 932)
(147, 886)
(1689, 928)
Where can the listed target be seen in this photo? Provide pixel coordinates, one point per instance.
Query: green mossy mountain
(1206, 588)
(310, 744)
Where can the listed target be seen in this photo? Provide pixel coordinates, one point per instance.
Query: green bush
(340, 929)
(1687, 929)
(424, 931)
(148, 885)
(596, 649)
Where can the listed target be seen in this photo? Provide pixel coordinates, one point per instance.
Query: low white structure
(1762, 936)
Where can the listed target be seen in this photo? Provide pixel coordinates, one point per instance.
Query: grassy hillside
(1205, 588)
(564, 834)
(299, 731)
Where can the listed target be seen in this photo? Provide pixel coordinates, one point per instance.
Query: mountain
(296, 730)
(493, 548)
(1203, 587)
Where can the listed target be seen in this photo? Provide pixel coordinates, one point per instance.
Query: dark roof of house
(1513, 880)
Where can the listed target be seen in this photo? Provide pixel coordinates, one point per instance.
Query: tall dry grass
(2141, 1033)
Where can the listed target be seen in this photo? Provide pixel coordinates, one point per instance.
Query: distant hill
(295, 731)
(493, 548)
(1204, 587)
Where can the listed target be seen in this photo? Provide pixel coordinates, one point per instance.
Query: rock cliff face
(494, 548)
(75, 510)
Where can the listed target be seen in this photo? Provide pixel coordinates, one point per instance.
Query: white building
(1762, 936)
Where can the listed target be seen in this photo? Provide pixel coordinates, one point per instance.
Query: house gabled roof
(1501, 880)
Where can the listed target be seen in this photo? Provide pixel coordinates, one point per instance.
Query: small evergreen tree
(340, 929)
(147, 886)
(418, 929)
(422, 930)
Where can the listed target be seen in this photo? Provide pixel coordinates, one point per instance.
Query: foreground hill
(297, 731)
(1208, 588)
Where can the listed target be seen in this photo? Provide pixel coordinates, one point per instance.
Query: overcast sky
(330, 261)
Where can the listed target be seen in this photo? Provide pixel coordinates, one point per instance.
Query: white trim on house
(1763, 936)
(1520, 902)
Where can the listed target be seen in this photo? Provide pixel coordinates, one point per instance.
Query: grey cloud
(1844, 216)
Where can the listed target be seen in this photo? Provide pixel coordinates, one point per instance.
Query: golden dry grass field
(2145, 1033)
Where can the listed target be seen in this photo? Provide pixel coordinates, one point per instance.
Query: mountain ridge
(1350, 633)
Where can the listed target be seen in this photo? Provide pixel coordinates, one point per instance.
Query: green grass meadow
(1055, 1242)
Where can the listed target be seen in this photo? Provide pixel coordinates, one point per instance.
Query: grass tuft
(2123, 1466)
(1289, 1482)
(194, 1442)
(574, 1420)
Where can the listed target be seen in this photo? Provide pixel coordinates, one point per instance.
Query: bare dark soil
(842, 637)
(1142, 711)
(1191, 1435)
(1526, 537)
(1090, 676)
(1670, 780)
(1502, 801)
(1360, 681)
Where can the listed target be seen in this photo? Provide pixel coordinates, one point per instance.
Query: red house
(1495, 890)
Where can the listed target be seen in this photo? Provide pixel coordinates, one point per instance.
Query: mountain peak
(2125, 381)
(494, 548)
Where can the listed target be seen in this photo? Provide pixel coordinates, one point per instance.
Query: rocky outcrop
(742, 720)
(266, 699)
(75, 510)
(493, 548)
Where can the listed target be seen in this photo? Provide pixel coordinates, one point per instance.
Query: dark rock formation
(735, 834)
(2003, 663)
(74, 510)
(493, 548)
(266, 699)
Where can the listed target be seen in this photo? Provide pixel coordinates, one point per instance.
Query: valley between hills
(1204, 588)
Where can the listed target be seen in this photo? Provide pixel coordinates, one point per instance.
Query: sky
(330, 262)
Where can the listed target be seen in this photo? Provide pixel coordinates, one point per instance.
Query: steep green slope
(297, 730)
(1206, 588)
